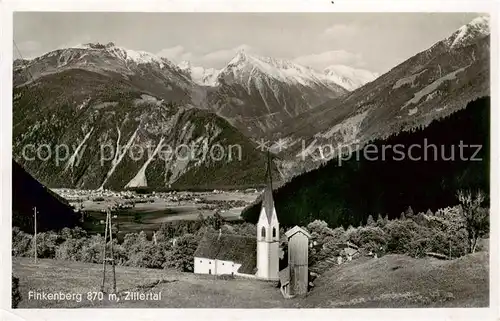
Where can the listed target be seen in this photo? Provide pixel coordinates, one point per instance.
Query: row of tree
(451, 232)
(172, 246)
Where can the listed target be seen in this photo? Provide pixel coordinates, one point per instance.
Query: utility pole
(34, 236)
(449, 255)
(104, 258)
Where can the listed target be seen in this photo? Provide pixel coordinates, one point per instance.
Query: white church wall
(262, 259)
(204, 266)
(274, 261)
(224, 267)
(215, 267)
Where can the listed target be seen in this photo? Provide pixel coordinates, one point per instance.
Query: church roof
(268, 202)
(229, 247)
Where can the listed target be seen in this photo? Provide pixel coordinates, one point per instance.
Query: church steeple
(268, 201)
(268, 232)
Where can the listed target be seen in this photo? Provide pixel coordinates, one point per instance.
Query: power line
(105, 258)
(35, 233)
(22, 59)
(25, 88)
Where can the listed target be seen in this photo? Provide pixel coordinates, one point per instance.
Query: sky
(372, 41)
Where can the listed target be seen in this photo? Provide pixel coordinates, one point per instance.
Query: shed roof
(229, 247)
(297, 229)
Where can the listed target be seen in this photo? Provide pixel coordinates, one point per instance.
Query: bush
(370, 239)
(400, 236)
(21, 243)
(92, 251)
(46, 244)
(76, 233)
(71, 249)
(16, 294)
(181, 256)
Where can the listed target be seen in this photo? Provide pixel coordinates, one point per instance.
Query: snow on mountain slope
(348, 77)
(257, 94)
(477, 28)
(428, 86)
(200, 75)
(136, 56)
(144, 70)
(244, 66)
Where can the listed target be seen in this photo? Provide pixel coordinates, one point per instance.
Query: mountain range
(428, 86)
(93, 95)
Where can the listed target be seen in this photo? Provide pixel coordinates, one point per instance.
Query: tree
(21, 243)
(319, 230)
(409, 212)
(46, 244)
(91, 251)
(201, 220)
(181, 256)
(380, 220)
(16, 294)
(370, 221)
(476, 218)
(71, 249)
(317, 226)
(215, 220)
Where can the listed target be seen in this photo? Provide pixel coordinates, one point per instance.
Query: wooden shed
(298, 252)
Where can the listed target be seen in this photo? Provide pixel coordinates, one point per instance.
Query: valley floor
(392, 281)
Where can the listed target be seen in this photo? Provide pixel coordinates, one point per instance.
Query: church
(256, 257)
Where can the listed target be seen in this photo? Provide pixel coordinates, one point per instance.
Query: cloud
(343, 31)
(224, 55)
(334, 57)
(77, 41)
(338, 30)
(217, 58)
(173, 53)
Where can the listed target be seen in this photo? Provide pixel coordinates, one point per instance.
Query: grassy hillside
(384, 182)
(179, 290)
(394, 281)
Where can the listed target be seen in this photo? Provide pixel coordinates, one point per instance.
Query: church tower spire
(268, 232)
(268, 193)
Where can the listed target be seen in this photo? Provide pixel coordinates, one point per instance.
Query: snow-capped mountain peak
(244, 67)
(476, 29)
(127, 55)
(241, 57)
(348, 77)
(185, 65)
(200, 75)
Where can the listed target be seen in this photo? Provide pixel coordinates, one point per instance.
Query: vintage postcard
(225, 157)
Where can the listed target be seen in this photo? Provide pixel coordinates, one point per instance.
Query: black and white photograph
(251, 160)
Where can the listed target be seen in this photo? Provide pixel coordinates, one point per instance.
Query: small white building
(226, 254)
